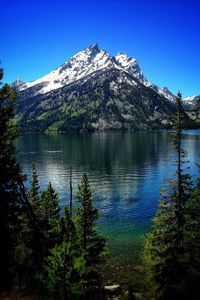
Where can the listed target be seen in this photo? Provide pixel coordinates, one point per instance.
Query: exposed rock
(114, 289)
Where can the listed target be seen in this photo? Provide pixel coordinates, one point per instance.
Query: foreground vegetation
(171, 254)
(53, 254)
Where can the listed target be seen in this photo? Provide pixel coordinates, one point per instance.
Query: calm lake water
(126, 172)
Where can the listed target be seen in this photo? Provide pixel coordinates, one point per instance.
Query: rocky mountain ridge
(93, 90)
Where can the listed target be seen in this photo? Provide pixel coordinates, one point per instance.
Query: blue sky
(164, 36)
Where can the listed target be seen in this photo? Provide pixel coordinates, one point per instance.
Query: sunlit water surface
(126, 172)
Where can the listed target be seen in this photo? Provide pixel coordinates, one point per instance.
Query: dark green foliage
(94, 103)
(165, 269)
(63, 272)
(165, 253)
(25, 254)
(192, 242)
(71, 269)
(68, 260)
(51, 218)
(30, 239)
(64, 269)
(181, 187)
(92, 244)
(35, 189)
(35, 245)
(9, 190)
(42, 252)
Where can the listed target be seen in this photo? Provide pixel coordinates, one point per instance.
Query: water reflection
(126, 171)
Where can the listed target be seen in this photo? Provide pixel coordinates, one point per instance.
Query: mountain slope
(82, 64)
(192, 105)
(93, 90)
(105, 99)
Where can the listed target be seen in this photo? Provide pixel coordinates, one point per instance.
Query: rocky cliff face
(192, 105)
(94, 90)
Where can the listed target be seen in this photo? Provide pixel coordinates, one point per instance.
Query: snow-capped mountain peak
(86, 55)
(125, 60)
(167, 94)
(17, 83)
(130, 65)
(83, 63)
(192, 100)
(86, 62)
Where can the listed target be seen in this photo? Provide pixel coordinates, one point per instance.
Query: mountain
(93, 90)
(191, 101)
(192, 105)
(17, 83)
(84, 63)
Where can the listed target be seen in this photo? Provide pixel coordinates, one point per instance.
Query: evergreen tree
(64, 268)
(51, 218)
(15, 207)
(9, 189)
(34, 246)
(92, 244)
(164, 249)
(34, 193)
(29, 250)
(192, 243)
(36, 238)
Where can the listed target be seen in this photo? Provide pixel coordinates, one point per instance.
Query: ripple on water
(126, 171)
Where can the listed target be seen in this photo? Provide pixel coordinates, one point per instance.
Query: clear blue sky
(164, 36)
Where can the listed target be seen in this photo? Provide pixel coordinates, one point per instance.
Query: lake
(126, 172)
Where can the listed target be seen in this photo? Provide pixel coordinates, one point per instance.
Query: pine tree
(34, 193)
(64, 269)
(50, 210)
(35, 246)
(15, 207)
(9, 189)
(192, 242)
(92, 244)
(164, 249)
(183, 181)
(36, 238)
(30, 247)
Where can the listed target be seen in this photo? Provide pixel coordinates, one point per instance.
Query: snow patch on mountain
(83, 63)
(167, 94)
(87, 62)
(190, 101)
(131, 66)
(18, 82)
